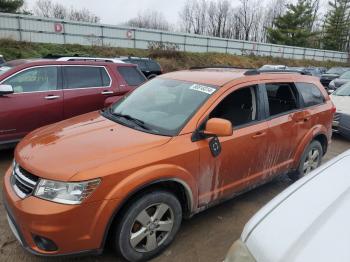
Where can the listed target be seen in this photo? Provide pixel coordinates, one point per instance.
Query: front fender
(132, 183)
(311, 134)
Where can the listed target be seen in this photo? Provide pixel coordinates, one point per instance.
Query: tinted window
(239, 107)
(84, 76)
(310, 94)
(35, 79)
(282, 98)
(106, 81)
(153, 66)
(132, 76)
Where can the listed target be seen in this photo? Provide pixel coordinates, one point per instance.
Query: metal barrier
(47, 30)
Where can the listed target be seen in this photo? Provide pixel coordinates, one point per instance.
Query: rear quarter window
(132, 75)
(310, 94)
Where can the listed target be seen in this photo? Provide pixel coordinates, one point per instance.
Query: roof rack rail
(274, 71)
(218, 67)
(57, 56)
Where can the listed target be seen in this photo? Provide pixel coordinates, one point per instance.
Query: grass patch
(175, 61)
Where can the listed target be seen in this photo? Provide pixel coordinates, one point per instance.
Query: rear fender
(308, 138)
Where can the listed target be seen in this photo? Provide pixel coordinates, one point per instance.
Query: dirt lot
(206, 237)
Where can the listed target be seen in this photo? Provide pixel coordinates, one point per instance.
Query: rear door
(37, 101)
(287, 125)
(85, 89)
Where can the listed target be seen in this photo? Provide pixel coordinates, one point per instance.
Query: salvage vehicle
(341, 99)
(306, 222)
(177, 145)
(338, 82)
(149, 67)
(34, 93)
(332, 74)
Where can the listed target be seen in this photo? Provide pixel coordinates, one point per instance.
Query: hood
(342, 103)
(339, 82)
(61, 150)
(308, 221)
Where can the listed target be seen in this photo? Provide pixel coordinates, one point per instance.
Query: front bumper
(75, 229)
(341, 124)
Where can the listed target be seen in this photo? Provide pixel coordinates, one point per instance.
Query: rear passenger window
(85, 76)
(132, 76)
(282, 98)
(310, 93)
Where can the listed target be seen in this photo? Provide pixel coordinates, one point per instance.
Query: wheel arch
(174, 184)
(318, 133)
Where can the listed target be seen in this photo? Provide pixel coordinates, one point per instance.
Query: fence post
(208, 44)
(185, 43)
(134, 38)
(19, 28)
(102, 35)
(226, 46)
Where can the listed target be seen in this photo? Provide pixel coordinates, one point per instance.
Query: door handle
(51, 97)
(106, 92)
(303, 119)
(259, 134)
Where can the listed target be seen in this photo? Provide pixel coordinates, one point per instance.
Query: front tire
(148, 226)
(310, 160)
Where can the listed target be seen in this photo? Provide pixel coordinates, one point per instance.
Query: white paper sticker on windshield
(203, 89)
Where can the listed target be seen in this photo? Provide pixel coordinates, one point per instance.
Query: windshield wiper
(138, 122)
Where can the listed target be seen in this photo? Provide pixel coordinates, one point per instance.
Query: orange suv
(175, 146)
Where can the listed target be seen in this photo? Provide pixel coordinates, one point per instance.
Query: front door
(243, 154)
(37, 101)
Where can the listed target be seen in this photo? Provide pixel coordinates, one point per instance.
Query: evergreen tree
(10, 6)
(336, 27)
(294, 27)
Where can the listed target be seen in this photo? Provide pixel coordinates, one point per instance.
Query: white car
(307, 222)
(341, 100)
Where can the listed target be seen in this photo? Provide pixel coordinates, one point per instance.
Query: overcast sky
(119, 11)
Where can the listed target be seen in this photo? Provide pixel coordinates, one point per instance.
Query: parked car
(306, 222)
(273, 67)
(34, 93)
(341, 80)
(332, 74)
(299, 70)
(341, 99)
(315, 71)
(177, 145)
(149, 67)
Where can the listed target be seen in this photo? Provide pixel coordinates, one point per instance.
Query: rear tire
(148, 226)
(310, 160)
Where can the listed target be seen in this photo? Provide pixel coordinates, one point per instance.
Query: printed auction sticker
(203, 89)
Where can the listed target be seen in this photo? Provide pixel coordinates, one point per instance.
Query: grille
(23, 182)
(337, 117)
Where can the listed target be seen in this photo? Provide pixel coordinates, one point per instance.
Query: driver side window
(239, 107)
(34, 80)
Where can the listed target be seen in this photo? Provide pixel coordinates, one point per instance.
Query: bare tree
(48, 8)
(151, 20)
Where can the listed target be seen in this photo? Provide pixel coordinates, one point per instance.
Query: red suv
(34, 93)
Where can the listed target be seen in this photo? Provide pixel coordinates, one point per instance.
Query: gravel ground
(205, 237)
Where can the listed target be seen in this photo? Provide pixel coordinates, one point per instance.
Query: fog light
(44, 243)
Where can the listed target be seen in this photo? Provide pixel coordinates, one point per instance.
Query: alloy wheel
(151, 227)
(312, 161)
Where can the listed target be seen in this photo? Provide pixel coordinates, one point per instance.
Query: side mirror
(6, 89)
(219, 127)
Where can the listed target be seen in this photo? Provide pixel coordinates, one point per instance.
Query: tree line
(287, 22)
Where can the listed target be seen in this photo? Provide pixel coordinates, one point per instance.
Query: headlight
(239, 253)
(64, 192)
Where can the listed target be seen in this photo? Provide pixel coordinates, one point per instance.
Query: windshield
(336, 70)
(161, 106)
(346, 75)
(343, 90)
